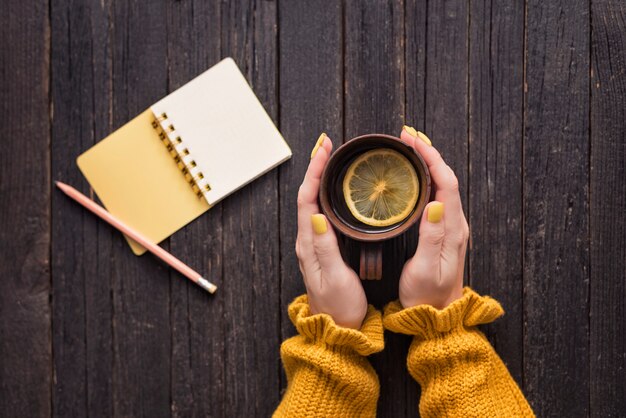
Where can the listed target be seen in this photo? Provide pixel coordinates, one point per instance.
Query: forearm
(459, 372)
(328, 374)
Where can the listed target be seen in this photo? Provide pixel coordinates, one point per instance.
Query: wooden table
(526, 101)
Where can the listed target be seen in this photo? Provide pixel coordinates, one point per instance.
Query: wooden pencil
(141, 239)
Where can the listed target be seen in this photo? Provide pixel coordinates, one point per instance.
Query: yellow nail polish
(423, 137)
(318, 144)
(410, 130)
(435, 212)
(319, 224)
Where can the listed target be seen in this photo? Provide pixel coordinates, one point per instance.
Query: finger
(322, 141)
(431, 234)
(407, 136)
(436, 165)
(445, 181)
(325, 243)
(327, 144)
(319, 158)
(307, 197)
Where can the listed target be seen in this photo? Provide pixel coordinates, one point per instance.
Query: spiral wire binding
(181, 155)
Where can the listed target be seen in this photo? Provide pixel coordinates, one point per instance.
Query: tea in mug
(381, 187)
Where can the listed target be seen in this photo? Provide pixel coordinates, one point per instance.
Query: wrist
(345, 316)
(321, 329)
(440, 300)
(352, 319)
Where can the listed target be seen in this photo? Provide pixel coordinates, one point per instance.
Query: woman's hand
(434, 275)
(332, 287)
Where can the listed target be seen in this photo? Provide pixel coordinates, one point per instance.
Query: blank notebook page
(225, 128)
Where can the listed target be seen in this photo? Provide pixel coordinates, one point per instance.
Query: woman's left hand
(434, 275)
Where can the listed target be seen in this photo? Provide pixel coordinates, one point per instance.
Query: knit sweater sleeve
(458, 370)
(328, 374)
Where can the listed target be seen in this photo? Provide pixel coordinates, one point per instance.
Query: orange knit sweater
(459, 372)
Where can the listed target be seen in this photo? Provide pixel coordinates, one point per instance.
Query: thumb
(325, 242)
(432, 233)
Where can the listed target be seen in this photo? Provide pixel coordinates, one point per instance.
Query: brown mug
(333, 204)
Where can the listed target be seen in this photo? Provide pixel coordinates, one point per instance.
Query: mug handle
(371, 261)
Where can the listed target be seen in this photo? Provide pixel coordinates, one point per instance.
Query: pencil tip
(61, 186)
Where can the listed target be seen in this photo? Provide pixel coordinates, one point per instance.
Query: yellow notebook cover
(185, 153)
(139, 181)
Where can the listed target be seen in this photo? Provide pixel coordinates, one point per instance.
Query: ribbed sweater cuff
(428, 322)
(321, 329)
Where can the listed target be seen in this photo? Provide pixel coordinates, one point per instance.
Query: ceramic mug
(333, 204)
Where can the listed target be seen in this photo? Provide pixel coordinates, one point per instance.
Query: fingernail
(319, 224)
(423, 137)
(410, 130)
(318, 144)
(435, 212)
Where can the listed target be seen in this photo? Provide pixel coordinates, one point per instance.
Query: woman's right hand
(332, 287)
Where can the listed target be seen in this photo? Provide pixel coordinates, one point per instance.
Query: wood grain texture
(311, 102)
(197, 386)
(556, 208)
(437, 85)
(374, 96)
(446, 92)
(140, 285)
(607, 356)
(374, 103)
(526, 101)
(251, 271)
(496, 71)
(415, 76)
(82, 308)
(415, 57)
(25, 351)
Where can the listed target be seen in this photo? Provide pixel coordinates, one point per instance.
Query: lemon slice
(381, 187)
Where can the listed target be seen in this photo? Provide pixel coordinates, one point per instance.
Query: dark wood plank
(415, 26)
(374, 68)
(556, 208)
(437, 84)
(140, 285)
(496, 72)
(607, 356)
(446, 94)
(415, 56)
(112, 311)
(374, 96)
(311, 102)
(374, 103)
(81, 67)
(193, 30)
(251, 267)
(25, 352)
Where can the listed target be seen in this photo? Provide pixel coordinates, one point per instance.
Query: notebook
(184, 154)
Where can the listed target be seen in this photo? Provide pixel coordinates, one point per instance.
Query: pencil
(145, 242)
